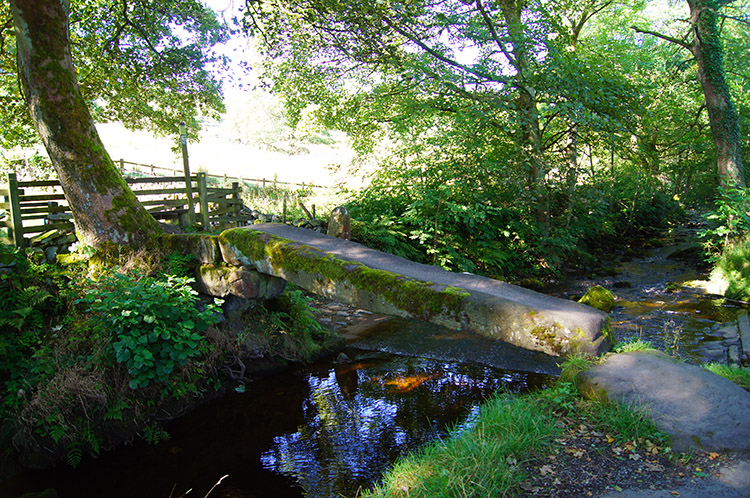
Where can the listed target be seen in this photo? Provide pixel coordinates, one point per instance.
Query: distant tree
(703, 41)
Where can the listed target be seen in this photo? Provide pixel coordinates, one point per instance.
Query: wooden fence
(151, 170)
(36, 207)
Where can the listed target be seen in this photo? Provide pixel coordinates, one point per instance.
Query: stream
(331, 429)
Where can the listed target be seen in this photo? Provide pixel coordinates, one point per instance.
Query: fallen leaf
(617, 488)
(674, 493)
(634, 456)
(527, 486)
(654, 467)
(610, 439)
(617, 450)
(545, 470)
(576, 452)
(713, 456)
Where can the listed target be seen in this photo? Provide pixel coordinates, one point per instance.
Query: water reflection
(360, 417)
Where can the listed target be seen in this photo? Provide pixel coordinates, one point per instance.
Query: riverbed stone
(743, 325)
(600, 298)
(698, 409)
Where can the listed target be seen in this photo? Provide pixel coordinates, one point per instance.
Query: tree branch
(441, 57)
(493, 32)
(670, 39)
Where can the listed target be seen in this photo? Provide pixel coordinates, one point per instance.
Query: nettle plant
(153, 323)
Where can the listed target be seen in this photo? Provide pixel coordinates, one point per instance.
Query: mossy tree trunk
(707, 50)
(104, 207)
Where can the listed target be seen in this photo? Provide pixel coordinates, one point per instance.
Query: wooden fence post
(15, 211)
(203, 199)
(188, 180)
(237, 202)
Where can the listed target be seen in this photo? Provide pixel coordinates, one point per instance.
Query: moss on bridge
(316, 271)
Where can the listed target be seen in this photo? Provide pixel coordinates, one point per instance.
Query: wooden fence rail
(29, 211)
(150, 169)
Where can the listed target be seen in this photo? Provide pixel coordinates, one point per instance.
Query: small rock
(343, 358)
(598, 297)
(339, 224)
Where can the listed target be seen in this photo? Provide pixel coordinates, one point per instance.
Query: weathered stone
(221, 281)
(234, 307)
(351, 273)
(204, 248)
(696, 407)
(50, 254)
(598, 297)
(729, 331)
(743, 325)
(733, 352)
(339, 224)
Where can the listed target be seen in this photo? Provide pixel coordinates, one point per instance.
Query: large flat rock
(384, 283)
(699, 409)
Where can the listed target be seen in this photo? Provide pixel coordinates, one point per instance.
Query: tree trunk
(104, 207)
(528, 113)
(707, 50)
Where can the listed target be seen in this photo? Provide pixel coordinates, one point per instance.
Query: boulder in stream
(698, 409)
(600, 298)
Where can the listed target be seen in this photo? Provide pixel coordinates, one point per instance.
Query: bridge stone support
(383, 283)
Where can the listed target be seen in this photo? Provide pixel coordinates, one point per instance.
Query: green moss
(600, 298)
(419, 298)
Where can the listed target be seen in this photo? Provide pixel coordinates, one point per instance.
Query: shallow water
(323, 431)
(654, 303)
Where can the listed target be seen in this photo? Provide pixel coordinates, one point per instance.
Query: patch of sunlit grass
(738, 375)
(482, 461)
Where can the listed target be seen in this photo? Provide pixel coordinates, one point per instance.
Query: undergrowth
(89, 363)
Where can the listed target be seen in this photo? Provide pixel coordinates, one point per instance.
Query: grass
(486, 459)
(481, 461)
(738, 375)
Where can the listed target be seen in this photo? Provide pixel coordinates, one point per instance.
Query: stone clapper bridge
(256, 262)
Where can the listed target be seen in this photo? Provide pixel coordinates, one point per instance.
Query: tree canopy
(147, 64)
(518, 115)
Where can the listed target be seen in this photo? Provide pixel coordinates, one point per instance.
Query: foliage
(729, 220)
(635, 344)
(733, 267)
(145, 64)
(179, 265)
(737, 374)
(288, 329)
(153, 324)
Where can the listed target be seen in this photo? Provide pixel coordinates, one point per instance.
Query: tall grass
(480, 462)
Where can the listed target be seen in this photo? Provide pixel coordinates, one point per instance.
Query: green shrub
(728, 222)
(153, 324)
(733, 267)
